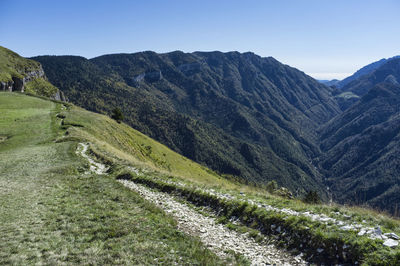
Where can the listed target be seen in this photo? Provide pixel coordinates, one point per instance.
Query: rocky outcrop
(6, 86)
(39, 73)
(59, 96)
(18, 84)
(148, 77)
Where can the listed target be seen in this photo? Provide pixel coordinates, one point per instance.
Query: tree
(312, 197)
(117, 115)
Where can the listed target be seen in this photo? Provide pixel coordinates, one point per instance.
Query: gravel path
(359, 227)
(95, 167)
(215, 236)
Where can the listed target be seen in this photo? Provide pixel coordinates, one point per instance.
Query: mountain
(360, 150)
(24, 75)
(352, 88)
(331, 82)
(364, 71)
(360, 146)
(240, 114)
(388, 72)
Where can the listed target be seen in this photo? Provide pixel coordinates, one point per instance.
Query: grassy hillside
(51, 212)
(54, 212)
(13, 66)
(123, 147)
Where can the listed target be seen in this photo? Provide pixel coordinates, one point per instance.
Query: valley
(275, 122)
(200, 132)
(77, 184)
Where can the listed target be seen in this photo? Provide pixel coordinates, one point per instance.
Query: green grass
(51, 213)
(42, 87)
(132, 147)
(13, 65)
(298, 233)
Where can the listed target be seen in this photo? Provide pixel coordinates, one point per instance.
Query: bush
(312, 197)
(271, 186)
(117, 115)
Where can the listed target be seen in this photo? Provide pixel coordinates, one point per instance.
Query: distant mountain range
(359, 73)
(253, 118)
(331, 82)
(364, 71)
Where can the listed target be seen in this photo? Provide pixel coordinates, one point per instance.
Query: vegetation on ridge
(29, 72)
(13, 65)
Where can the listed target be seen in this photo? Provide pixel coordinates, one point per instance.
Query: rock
(392, 236)
(7, 86)
(361, 233)
(347, 227)
(59, 96)
(391, 243)
(378, 231)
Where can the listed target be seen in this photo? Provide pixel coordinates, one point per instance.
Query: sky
(324, 38)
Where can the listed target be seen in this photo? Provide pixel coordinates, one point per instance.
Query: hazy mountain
(388, 72)
(364, 71)
(331, 82)
(240, 114)
(350, 89)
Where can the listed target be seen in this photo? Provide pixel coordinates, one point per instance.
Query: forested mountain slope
(388, 72)
(361, 150)
(240, 114)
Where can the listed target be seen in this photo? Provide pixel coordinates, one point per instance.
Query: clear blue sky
(324, 38)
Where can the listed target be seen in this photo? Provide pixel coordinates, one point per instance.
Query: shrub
(117, 115)
(312, 197)
(271, 186)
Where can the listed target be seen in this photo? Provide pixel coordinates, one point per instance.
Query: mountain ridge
(273, 121)
(365, 70)
(222, 92)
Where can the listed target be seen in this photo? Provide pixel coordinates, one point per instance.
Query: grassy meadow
(52, 213)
